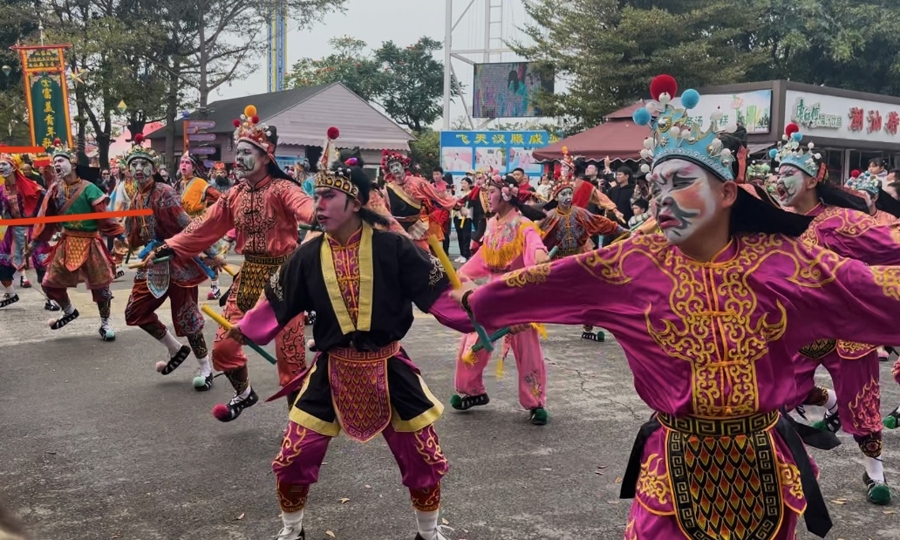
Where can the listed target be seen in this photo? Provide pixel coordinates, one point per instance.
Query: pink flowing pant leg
(532, 372)
(857, 390)
(470, 378)
(297, 465)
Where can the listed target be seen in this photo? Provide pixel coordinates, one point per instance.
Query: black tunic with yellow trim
(362, 293)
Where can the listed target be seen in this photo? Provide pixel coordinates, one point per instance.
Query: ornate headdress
(569, 162)
(218, 166)
(58, 149)
(674, 134)
(330, 176)
(559, 187)
(792, 152)
(388, 157)
(868, 183)
(759, 171)
(249, 129)
(138, 151)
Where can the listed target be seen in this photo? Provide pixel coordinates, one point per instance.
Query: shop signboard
(501, 151)
(834, 117)
(753, 110)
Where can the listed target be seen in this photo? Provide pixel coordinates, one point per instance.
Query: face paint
(564, 199)
(684, 198)
(247, 162)
(791, 184)
(397, 171)
(62, 167)
(333, 208)
(141, 170)
(6, 169)
(186, 167)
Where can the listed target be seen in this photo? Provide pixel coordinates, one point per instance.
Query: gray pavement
(95, 445)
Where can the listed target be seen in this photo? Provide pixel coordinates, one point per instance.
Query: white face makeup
(186, 167)
(397, 171)
(6, 169)
(791, 184)
(683, 198)
(564, 198)
(247, 162)
(62, 167)
(141, 170)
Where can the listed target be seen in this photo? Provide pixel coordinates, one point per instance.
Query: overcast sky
(403, 21)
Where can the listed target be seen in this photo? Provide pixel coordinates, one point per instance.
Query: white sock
(104, 322)
(11, 290)
(875, 469)
(205, 369)
(831, 402)
(427, 523)
(293, 519)
(246, 392)
(214, 284)
(171, 343)
(68, 310)
(17, 276)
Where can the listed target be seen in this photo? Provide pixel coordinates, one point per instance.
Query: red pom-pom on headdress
(236, 123)
(854, 173)
(333, 133)
(138, 138)
(663, 83)
(351, 162)
(57, 142)
(254, 119)
(791, 128)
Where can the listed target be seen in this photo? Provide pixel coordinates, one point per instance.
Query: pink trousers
(418, 454)
(532, 373)
(645, 525)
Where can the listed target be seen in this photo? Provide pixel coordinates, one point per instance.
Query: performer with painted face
(411, 199)
(174, 280)
(19, 198)
(881, 206)
(840, 223)
(570, 228)
(80, 255)
(511, 241)
(264, 208)
(708, 313)
(196, 196)
(362, 282)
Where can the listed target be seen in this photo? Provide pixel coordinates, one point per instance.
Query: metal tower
(277, 37)
(492, 45)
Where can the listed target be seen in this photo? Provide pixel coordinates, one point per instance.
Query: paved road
(95, 445)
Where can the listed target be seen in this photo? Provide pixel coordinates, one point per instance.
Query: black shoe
(291, 534)
(24, 283)
(50, 306)
(9, 300)
(176, 360)
(64, 320)
(120, 273)
(231, 410)
(203, 384)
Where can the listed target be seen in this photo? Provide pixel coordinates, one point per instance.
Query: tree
(350, 64)
(15, 25)
(609, 50)
(407, 83)
(425, 151)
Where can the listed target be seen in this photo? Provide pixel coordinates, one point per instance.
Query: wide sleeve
(867, 241)
(426, 284)
(590, 287)
(604, 202)
(531, 236)
(430, 192)
(474, 268)
(285, 298)
(204, 231)
(298, 204)
(866, 297)
(594, 224)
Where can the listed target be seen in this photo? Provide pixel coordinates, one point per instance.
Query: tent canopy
(618, 137)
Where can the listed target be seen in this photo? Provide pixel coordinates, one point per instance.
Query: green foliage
(609, 50)
(407, 82)
(425, 151)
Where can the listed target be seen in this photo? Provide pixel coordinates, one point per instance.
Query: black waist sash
(816, 515)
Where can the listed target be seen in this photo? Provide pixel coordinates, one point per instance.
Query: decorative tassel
(504, 256)
(541, 330)
(500, 368)
(469, 358)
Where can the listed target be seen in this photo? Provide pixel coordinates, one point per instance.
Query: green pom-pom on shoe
(539, 417)
(890, 422)
(820, 425)
(199, 382)
(456, 401)
(879, 494)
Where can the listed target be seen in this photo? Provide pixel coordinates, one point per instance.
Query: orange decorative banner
(24, 222)
(46, 93)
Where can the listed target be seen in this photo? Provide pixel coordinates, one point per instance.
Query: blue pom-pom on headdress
(641, 117)
(690, 98)
(797, 136)
(772, 153)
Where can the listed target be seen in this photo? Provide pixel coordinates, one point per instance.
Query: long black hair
(886, 203)
(272, 168)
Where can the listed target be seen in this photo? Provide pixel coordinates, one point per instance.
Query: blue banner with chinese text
(502, 151)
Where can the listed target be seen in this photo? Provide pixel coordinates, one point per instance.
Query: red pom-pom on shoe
(663, 83)
(160, 366)
(791, 128)
(221, 412)
(333, 133)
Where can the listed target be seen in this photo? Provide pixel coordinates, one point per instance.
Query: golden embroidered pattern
(528, 276)
(606, 264)
(851, 350)
(652, 484)
(76, 250)
(725, 487)
(865, 407)
(888, 278)
(361, 396)
(790, 478)
(255, 273)
(275, 285)
(840, 221)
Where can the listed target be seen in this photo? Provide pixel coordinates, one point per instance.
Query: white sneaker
(460, 260)
(291, 533)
